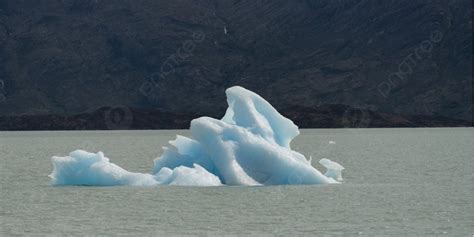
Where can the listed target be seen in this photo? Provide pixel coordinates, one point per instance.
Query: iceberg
(250, 145)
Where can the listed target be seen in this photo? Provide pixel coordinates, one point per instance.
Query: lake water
(397, 182)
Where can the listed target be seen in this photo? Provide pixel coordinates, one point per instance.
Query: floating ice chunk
(334, 169)
(332, 142)
(184, 152)
(84, 168)
(245, 158)
(250, 145)
(185, 176)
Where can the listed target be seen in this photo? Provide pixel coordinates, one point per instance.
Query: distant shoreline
(330, 116)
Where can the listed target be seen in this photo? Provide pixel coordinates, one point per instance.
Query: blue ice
(250, 145)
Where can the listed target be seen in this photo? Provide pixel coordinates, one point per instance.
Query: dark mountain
(407, 60)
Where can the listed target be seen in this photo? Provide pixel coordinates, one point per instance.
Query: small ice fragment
(332, 142)
(334, 169)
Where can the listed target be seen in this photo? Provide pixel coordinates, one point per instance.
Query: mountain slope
(76, 56)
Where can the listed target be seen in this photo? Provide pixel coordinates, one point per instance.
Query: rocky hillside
(114, 118)
(72, 57)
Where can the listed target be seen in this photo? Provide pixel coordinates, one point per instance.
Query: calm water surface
(397, 182)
